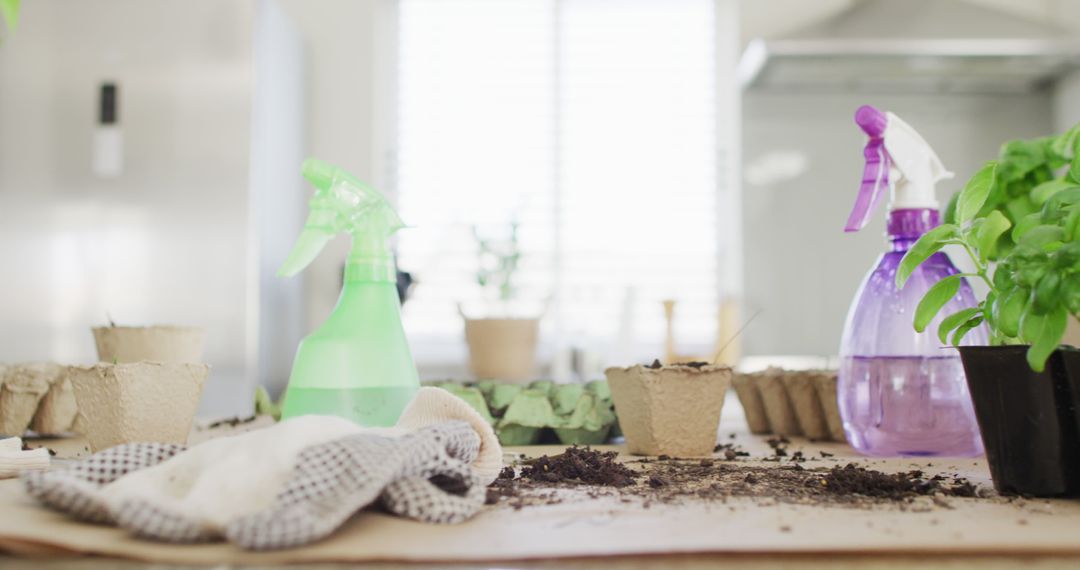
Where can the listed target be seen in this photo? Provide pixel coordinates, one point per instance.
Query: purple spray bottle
(901, 392)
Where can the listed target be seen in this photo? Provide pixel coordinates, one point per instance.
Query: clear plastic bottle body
(901, 392)
(357, 365)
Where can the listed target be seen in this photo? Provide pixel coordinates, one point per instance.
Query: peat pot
(155, 343)
(1029, 420)
(670, 410)
(137, 402)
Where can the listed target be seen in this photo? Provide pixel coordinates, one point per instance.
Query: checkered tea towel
(287, 485)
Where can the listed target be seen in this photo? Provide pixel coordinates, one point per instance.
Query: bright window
(593, 124)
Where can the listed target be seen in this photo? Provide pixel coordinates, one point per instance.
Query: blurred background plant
(497, 262)
(9, 9)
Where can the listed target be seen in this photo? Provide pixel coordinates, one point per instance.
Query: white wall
(349, 51)
(1067, 102)
(801, 268)
(164, 241)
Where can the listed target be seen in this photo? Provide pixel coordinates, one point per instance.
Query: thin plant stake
(720, 351)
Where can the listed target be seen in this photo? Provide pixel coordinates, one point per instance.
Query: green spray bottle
(357, 365)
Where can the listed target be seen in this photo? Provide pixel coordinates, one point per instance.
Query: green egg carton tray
(542, 411)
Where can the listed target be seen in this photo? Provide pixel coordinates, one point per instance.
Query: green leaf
(1009, 309)
(1072, 294)
(10, 10)
(1047, 294)
(975, 192)
(1072, 226)
(1043, 237)
(1024, 225)
(1041, 193)
(930, 243)
(1019, 207)
(935, 298)
(1066, 144)
(1053, 208)
(964, 329)
(988, 233)
(1074, 170)
(949, 215)
(1067, 257)
(954, 320)
(1045, 337)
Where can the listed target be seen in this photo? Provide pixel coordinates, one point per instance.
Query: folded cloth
(286, 485)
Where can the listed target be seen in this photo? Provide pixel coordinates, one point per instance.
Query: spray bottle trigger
(875, 181)
(307, 248)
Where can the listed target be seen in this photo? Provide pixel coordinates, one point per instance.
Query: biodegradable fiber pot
(137, 402)
(155, 344)
(502, 348)
(1029, 420)
(23, 387)
(671, 410)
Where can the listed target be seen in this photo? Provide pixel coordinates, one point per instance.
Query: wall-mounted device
(108, 144)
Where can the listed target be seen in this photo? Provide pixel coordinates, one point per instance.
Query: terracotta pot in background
(502, 348)
(673, 410)
(154, 343)
(137, 402)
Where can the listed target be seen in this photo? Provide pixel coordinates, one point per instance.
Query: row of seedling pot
(542, 411)
(675, 409)
(791, 403)
(146, 387)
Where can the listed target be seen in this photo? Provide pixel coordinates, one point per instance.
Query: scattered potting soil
(673, 480)
(580, 465)
(232, 422)
(656, 365)
(854, 480)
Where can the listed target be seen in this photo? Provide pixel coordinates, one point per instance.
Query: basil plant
(1018, 219)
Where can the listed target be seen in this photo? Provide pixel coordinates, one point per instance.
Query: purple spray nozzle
(876, 173)
(872, 121)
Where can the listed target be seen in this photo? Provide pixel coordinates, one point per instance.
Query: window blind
(593, 124)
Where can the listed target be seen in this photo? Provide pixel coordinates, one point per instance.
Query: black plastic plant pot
(1029, 421)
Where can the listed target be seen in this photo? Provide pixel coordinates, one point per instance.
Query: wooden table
(1005, 536)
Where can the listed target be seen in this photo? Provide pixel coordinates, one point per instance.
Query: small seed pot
(746, 388)
(805, 402)
(154, 344)
(671, 410)
(137, 402)
(57, 410)
(21, 390)
(778, 407)
(825, 383)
